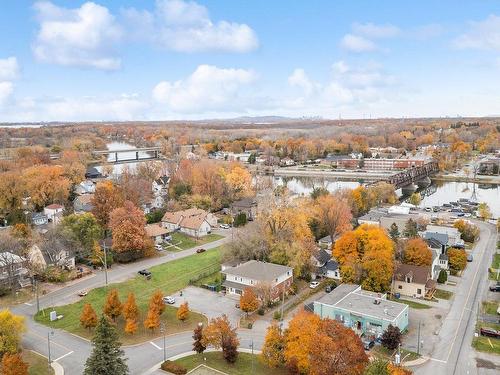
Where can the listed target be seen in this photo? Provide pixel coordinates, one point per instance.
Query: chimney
(443, 249)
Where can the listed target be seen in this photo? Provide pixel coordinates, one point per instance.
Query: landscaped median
(168, 277)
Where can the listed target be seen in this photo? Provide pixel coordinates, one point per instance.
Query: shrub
(443, 277)
(173, 367)
(240, 219)
(277, 315)
(261, 311)
(6, 291)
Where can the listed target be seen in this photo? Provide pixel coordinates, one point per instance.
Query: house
(363, 311)
(414, 281)
(438, 232)
(287, 162)
(13, 271)
(326, 242)
(54, 212)
(93, 172)
(85, 187)
(157, 233)
(324, 265)
(254, 273)
(82, 203)
(193, 221)
(439, 256)
(40, 260)
(246, 205)
(160, 185)
(39, 218)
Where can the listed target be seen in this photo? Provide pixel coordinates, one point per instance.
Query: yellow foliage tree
(130, 326)
(11, 328)
(273, 349)
(183, 312)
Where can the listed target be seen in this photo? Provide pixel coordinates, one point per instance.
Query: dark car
(200, 251)
(368, 343)
(328, 288)
(495, 288)
(144, 273)
(490, 332)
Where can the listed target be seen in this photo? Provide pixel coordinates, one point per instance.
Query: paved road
(452, 352)
(71, 351)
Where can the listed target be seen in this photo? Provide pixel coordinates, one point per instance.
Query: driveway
(211, 304)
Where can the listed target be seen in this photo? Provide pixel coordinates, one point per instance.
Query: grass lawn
(443, 294)
(412, 304)
(384, 353)
(487, 344)
(183, 241)
(38, 365)
(490, 307)
(242, 366)
(23, 295)
(169, 278)
(495, 264)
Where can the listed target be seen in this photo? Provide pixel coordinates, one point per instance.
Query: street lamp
(163, 330)
(251, 347)
(49, 333)
(105, 261)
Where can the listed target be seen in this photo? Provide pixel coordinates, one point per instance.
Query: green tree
(107, 356)
(394, 231)
(415, 199)
(443, 277)
(411, 230)
(83, 229)
(240, 219)
(252, 158)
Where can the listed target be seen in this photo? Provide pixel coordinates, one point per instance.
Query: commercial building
(363, 311)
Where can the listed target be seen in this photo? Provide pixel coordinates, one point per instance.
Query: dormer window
(408, 278)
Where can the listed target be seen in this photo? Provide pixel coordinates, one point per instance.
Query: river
(118, 168)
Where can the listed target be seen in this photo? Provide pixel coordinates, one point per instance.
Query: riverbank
(493, 180)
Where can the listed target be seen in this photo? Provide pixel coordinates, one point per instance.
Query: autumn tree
(88, 318)
(130, 326)
(130, 309)
(152, 320)
(183, 311)
(274, 345)
(398, 370)
(107, 356)
(11, 328)
(484, 211)
(392, 337)
(417, 252)
(46, 184)
(11, 191)
(198, 346)
(415, 199)
(107, 197)
(457, 259)
(238, 180)
(130, 240)
(13, 364)
(156, 302)
(221, 335)
(468, 231)
(411, 229)
(113, 306)
(248, 301)
(394, 232)
(334, 214)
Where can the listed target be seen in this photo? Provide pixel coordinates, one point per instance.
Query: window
(408, 279)
(400, 286)
(276, 280)
(419, 291)
(251, 282)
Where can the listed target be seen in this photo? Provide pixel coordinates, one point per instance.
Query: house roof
(419, 274)
(54, 206)
(84, 198)
(163, 180)
(154, 230)
(258, 270)
(245, 203)
(442, 238)
(39, 215)
(191, 218)
(322, 256)
(434, 243)
(7, 258)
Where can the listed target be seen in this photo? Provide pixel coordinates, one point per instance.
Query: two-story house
(54, 212)
(324, 265)
(248, 206)
(413, 281)
(254, 273)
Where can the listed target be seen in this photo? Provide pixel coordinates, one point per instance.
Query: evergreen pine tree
(411, 230)
(394, 231)
(107, 356)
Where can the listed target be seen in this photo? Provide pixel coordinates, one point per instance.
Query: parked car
(82, 293)
(490, 332)
(436, 208)
(368, 343)
(168, 238)
(314, 284)
(428, 209)
(200, 250)
(329, 288)
(144, 273)
(495, 288)
(158, 247)
(169, 300)
(470, 258)
(225, 226)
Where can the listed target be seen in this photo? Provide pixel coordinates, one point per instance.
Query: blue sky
(175, 59)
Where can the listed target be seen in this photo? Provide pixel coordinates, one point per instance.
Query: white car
(225, 226)
(159, 247)
(169, 300)
(314, 284)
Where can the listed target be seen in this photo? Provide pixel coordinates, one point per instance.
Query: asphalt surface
(452, 353)
(71, 351)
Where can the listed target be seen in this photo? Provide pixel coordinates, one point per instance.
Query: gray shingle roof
(258, 270)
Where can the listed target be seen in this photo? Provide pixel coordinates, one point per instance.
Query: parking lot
(211, 304)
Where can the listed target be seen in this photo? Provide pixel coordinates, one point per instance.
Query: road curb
(58, 369)
(416, 362)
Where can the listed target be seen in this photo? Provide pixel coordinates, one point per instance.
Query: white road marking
(437, 360)
(156, 346)
(29, 304)
(65, 355)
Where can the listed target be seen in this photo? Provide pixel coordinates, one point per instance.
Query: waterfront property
(248, 206)
(365, 312)
(255, 273)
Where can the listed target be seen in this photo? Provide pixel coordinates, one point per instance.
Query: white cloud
(208, 88)
(484, 35)
(83, 36)
(357, 43)
(371, 30)
(299, 79)
(6, 89)
(185, 26)
(9, 69)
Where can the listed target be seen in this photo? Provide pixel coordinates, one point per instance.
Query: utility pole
(418, 339)
(49, 333)
(105, 261)
(37, 298)
(251, 346)
(164, 331)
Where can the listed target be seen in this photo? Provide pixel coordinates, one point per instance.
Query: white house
(85, 187)
(324, 265)
(156, 232)
(41, 260)
(39, 218)
(160, 185)
(254, 273)
(193, 221)
(54, 212)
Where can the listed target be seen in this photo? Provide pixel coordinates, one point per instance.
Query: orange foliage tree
(334, 214)
(152, 320)
(218, 330)
(106, 198)
(130, 309)
(156, 302)
(13, 364)
(274, 345)
(248, 301)
(417, 252)
(46, 184)
(183, 312)
(88, 318)
(131, 326)
(113, 306)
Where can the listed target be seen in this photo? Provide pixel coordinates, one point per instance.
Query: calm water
(439, 192)
(118, 168)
